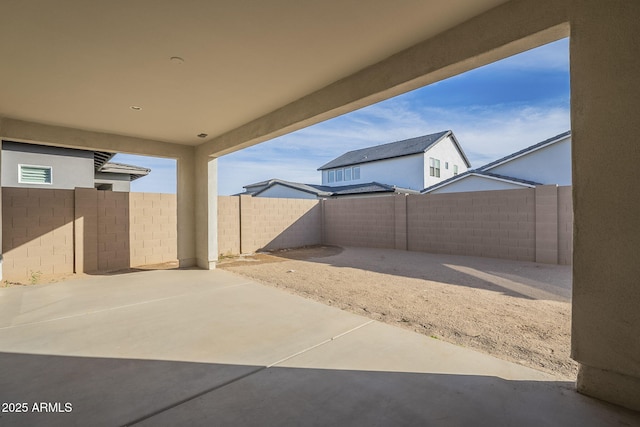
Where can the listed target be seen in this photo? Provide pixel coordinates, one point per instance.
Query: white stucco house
(40, 166)
(413, 163)
(402, 167)
(547, 162)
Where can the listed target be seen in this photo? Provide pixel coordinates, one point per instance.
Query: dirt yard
(517, 311)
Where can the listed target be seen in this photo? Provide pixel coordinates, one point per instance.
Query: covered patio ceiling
(82, 65)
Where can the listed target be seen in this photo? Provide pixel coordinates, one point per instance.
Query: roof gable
(390, 150)
(326, 191)
(526, 151)
(481, 174)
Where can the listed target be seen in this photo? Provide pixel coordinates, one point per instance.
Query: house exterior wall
(283, 192)
(119, 182)
(475, 183)
(406, 172)
(446, 152)
(411, 171)
(69, 168)
(548, 165)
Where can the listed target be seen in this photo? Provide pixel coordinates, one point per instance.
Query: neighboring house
(41, 166)
(547, 162)
(413, 163)
(404, 167)
(277, 188)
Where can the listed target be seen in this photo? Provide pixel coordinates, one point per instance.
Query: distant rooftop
(391, 150)
(325, 190)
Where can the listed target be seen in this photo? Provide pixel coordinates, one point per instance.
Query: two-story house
(405, 166)
(547, 162)
(413, 163)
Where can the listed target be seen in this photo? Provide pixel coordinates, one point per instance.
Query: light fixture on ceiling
(135, 108)
(176, 60)
(202, 135)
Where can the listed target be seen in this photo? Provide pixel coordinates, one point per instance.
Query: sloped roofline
(482, 174)
(325, 191)
(442, 134)
(525, 151)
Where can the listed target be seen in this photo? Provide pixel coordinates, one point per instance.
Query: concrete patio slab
(210, 348)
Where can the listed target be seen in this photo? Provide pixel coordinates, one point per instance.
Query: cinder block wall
(84, 230)
(113, 230)
(228, 225)
(526, 224)
(37, 232)
(367, 221)
(496, 224)
(152, 228)
(267, 223)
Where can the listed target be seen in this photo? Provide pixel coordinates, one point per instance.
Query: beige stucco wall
(605, 59)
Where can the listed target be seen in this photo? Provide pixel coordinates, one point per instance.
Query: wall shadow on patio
(122, 391)
(519, 279)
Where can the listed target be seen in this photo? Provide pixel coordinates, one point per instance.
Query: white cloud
(485, 133)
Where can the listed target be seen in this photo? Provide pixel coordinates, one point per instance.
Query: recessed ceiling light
(202, 135)
(176, 60)
(135, 108)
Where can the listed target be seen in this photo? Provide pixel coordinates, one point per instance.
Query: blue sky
(493, 111)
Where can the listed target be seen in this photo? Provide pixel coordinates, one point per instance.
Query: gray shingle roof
(479, 172)
(390, 150)
(327, 191)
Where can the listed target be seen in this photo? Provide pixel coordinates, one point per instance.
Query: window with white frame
(347, 174)
(356, 172)
(455, 169)
(32, 174)
(434, 167)
(446, 165)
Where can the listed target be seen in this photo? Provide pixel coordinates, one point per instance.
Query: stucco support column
(1, 253)
(186, 200)
(605, 101)
(206, 213)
